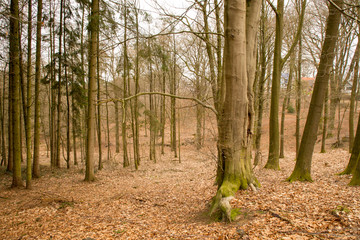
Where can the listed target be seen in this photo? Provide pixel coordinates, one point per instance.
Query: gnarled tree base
(226, 193)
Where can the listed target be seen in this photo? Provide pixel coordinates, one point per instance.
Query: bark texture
(302, 171)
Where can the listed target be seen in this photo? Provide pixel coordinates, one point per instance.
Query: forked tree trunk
(235, 126)
(302, 171)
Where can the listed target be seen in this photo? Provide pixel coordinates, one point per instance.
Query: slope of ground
(169, 200)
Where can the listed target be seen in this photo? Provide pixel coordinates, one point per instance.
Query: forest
(189, 119)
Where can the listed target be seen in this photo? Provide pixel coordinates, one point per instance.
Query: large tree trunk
(14, 77)
(58, 125)
(355, 152)
(235, 126)
(28, 103)
(352, 109)
(94, 22)
(273, 158)
(302, 169)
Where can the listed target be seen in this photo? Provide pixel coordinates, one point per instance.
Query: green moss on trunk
(298, 175)
(272, 165)
(355, 181)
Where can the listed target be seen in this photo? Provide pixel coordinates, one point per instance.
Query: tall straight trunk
(28, 102)
(261, 87)
(58, 125)
(352, 109)
(36, 165)
(163, 106)
(326, 113)
(173, 105)
(74, 124)
(179, 138)
(137, 90)
(273, 158)
(68, 139)
(90, 144)
(52, 91)
(298, 97)
(209, 51)
(285, 105)
(334, 102)
(126, 162)
(117, 125)
(199, 109)
(107, 123)
(2, 119)
(152, 114)
(10, 165)
(83, 83)
(302, 170)
(14, 77)
(100, 165)
(235, 135)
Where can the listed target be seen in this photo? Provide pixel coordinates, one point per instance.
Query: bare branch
(272, 6)
(161, 94)
(343, 12)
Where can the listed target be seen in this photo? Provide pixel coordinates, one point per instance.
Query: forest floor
(170, 200)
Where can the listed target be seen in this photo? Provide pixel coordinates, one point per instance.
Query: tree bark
(235, 126)
(36, 164)
(124, 106)
(302, 170)
(273, 158)
(94, 22)
(14, 78)
(285, 105)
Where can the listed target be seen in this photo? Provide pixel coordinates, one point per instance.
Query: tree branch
(343, 12)
(298, 33)
(161, 94)
(272, 6)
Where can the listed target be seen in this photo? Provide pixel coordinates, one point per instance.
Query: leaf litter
(170, 200)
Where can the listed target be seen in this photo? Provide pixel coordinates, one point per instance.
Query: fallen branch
(274, 214)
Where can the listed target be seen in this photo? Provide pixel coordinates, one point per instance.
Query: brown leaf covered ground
(169, 200)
